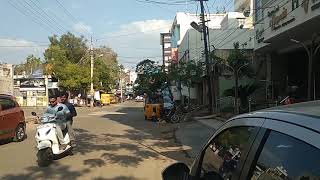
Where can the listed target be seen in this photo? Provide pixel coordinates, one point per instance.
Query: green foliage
(29, 66)
(150, 77)
(237, 58)
(68, 59)
(185, 72)
(73, 77)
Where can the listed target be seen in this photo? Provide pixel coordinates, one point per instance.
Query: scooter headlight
(48, 132)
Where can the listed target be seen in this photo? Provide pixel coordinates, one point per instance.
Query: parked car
(139, 98)
(12, 120)
(279, 143)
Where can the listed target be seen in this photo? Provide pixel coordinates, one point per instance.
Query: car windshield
(145, 82)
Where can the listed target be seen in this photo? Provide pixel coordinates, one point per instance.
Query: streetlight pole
(205, 33)
(91, 73)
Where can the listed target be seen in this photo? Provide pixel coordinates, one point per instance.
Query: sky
(131, 27)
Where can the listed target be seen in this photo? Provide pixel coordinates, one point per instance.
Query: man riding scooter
(60, 120)
(73, 113)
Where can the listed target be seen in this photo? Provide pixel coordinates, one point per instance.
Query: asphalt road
(114, 142)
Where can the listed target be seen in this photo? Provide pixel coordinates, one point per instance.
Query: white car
(139, 98)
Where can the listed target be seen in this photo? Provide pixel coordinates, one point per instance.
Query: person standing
(73, 113)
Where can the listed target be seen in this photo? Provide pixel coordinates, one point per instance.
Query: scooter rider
(73, 113)
(60, 118)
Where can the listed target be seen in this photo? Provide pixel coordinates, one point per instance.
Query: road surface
(114, 142)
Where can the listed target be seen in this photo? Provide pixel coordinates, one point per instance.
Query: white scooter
(47, 141)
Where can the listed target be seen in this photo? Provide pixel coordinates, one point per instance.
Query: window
(284, 157)
(226, 153)
(7, 104)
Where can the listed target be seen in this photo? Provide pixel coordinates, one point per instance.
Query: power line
(262, 20)
(174, 3)
(73, 18)
(43, 12)
(36, 12)
(35, 20)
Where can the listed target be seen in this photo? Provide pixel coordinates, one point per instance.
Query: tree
(29, 66)
(150, 77)
(239, 65)
(187, 73)
(63, 61)
(106, 68)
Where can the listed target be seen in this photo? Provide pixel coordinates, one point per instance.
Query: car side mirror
(60, 108)
(33, 113)
(176, 171)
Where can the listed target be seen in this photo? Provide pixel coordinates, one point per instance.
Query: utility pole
(91, 73)
(205, 33)
(121, 95)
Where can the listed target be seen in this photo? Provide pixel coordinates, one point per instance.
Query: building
(165, 42)
(232, 29)
(34, 89)
(6, 79)
(284, 31)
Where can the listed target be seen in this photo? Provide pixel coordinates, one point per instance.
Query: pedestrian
(73, 113)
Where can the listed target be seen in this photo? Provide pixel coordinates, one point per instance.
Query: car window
(7, 104)
(284, 157)
(225, 155)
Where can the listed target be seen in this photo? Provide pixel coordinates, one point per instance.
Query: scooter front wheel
(44, 157)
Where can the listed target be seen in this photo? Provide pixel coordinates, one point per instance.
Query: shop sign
(275, 20)
(271, 13)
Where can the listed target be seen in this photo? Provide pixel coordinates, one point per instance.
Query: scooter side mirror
(60, 108)
(33, 113)
(176, 171)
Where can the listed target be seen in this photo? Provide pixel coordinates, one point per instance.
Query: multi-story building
(6, 79)
(165, 42)
(286, 37)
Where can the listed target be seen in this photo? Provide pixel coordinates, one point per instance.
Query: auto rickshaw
(113, 99)
(105, 99)
(153, 108)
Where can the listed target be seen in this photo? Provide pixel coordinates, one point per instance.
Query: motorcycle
(47, 141)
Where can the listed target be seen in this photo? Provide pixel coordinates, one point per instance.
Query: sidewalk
(195, 134)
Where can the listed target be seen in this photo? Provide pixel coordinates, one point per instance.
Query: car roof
(306, 114)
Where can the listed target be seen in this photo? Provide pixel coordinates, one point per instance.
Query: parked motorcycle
(47, 141)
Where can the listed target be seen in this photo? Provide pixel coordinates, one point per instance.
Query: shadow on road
(157, 137)
(142, 140)
(55, 171)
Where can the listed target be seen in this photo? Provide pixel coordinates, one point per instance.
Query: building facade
(6, 79)
(284, 33)
(165, 42)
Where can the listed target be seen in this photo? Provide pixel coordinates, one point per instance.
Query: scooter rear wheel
(44, 157)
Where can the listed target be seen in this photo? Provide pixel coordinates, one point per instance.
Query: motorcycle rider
(73, 113)
(60, 118)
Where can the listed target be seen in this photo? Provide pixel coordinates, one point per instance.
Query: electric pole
(91, 74)
(205, 34)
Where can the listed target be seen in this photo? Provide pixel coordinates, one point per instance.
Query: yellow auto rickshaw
(113, 99)
(153, 107)
(105, 99)
(153, 111)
